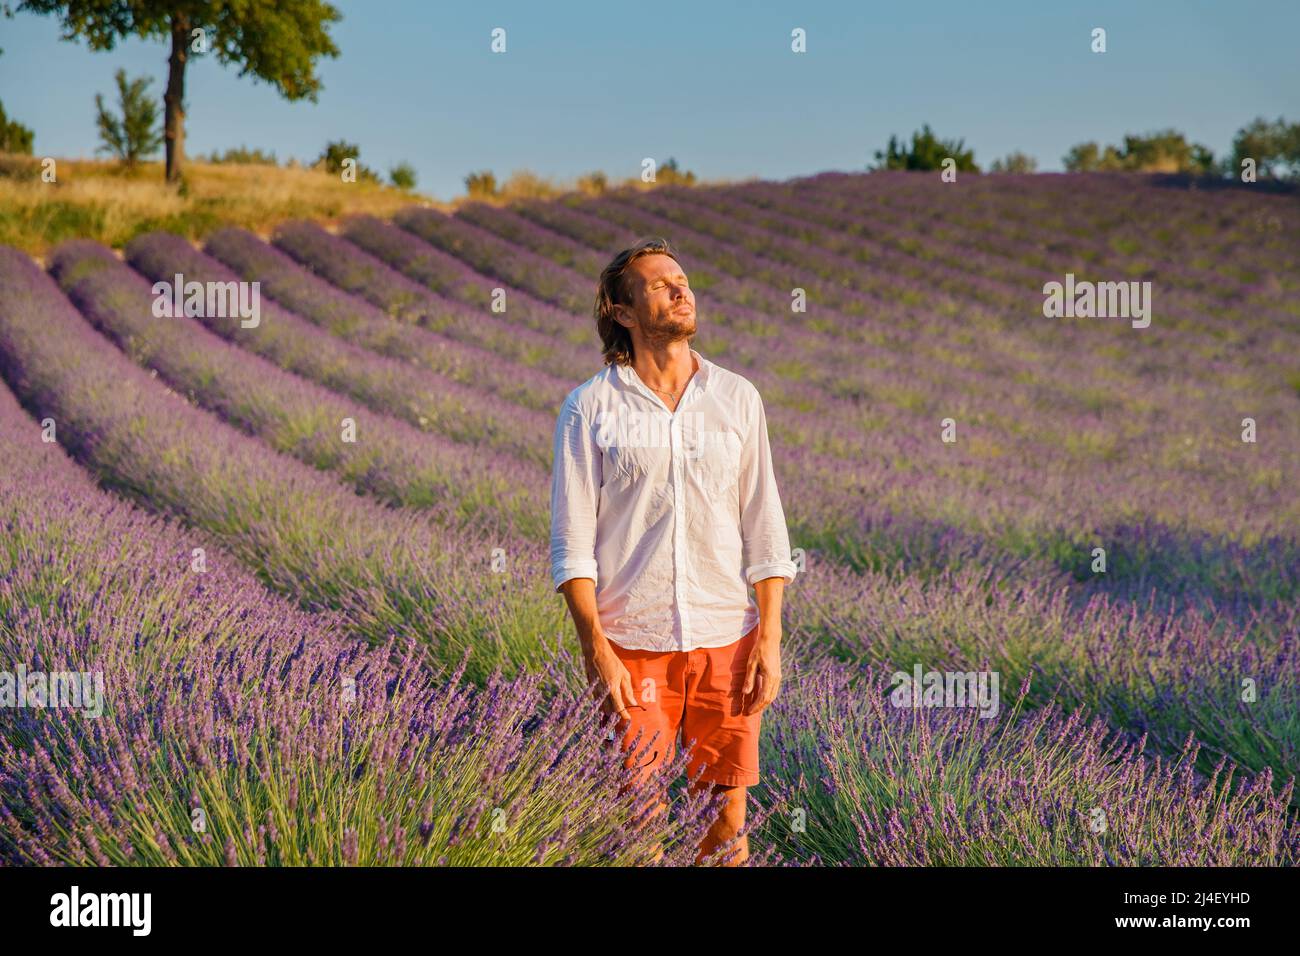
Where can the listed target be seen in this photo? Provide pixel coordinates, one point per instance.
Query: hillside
(107, 202)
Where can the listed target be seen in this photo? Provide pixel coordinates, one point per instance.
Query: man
(664, 509)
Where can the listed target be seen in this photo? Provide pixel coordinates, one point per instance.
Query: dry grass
(94, 199)
(102, 201)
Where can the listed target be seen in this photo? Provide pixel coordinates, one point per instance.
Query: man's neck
(667, 369)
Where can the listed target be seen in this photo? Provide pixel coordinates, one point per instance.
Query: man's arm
(769, 592)
(766, 542)
(605, 668)
(575, 496)
(575, 502)
(766, 558)
(763, 669)
(580, 595)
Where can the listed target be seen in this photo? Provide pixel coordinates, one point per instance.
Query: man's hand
(763, 669)
(612, 681)
(603, 666)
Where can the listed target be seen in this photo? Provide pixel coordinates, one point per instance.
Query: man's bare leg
(652, 809)
(729, 823)
(653, 816)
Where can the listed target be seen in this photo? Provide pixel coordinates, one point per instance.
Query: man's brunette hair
(616, 339)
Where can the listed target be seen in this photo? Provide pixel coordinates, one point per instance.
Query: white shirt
(673, 514)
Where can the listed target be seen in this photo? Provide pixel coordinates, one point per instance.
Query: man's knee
(734, 792)
(652, 804)
(733, 811)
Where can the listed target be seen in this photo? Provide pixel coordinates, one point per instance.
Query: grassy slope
(98, 200)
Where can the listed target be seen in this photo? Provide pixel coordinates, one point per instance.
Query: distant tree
(1166, 151)
(481, 185)
(526, 184)
(671, 174)
(1016, 162)
(1082, 158)
(926, 152)
(1275, 148)
(335, 153)
(1089, 157)
(402, 176)
(136, 135)
(242, 154)
(275, 40)
(593, 183)
(332, 160)
(14, 136)
(1203, 161)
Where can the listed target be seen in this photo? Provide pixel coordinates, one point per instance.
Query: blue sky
(587, 86)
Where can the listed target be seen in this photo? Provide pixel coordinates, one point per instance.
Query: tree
(1166, 151)
(136, 135)
(14, 136)
(337, 152)
(927, 152)
(242, 154)
(1275, 148)
(593, 183)
(1089, 158)
(671, 174)
(1016, 162)
(277, 41)
(402, 176)
(481, 184)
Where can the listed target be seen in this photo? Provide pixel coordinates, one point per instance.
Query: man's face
(663, 305)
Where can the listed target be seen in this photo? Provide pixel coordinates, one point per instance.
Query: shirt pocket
(719, 464)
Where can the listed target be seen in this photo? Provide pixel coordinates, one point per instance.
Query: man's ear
(621, 316)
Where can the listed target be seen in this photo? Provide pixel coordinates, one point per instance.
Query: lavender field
(323, 651)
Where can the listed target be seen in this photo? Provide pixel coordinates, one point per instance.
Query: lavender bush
(861, 782)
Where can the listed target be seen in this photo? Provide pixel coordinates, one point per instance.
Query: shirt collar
(628, 376)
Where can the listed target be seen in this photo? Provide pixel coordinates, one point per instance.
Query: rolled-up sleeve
(575, 496)
(762, 519)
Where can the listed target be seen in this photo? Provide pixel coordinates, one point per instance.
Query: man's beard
(670, 328)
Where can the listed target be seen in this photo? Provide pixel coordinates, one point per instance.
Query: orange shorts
(699, 693)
